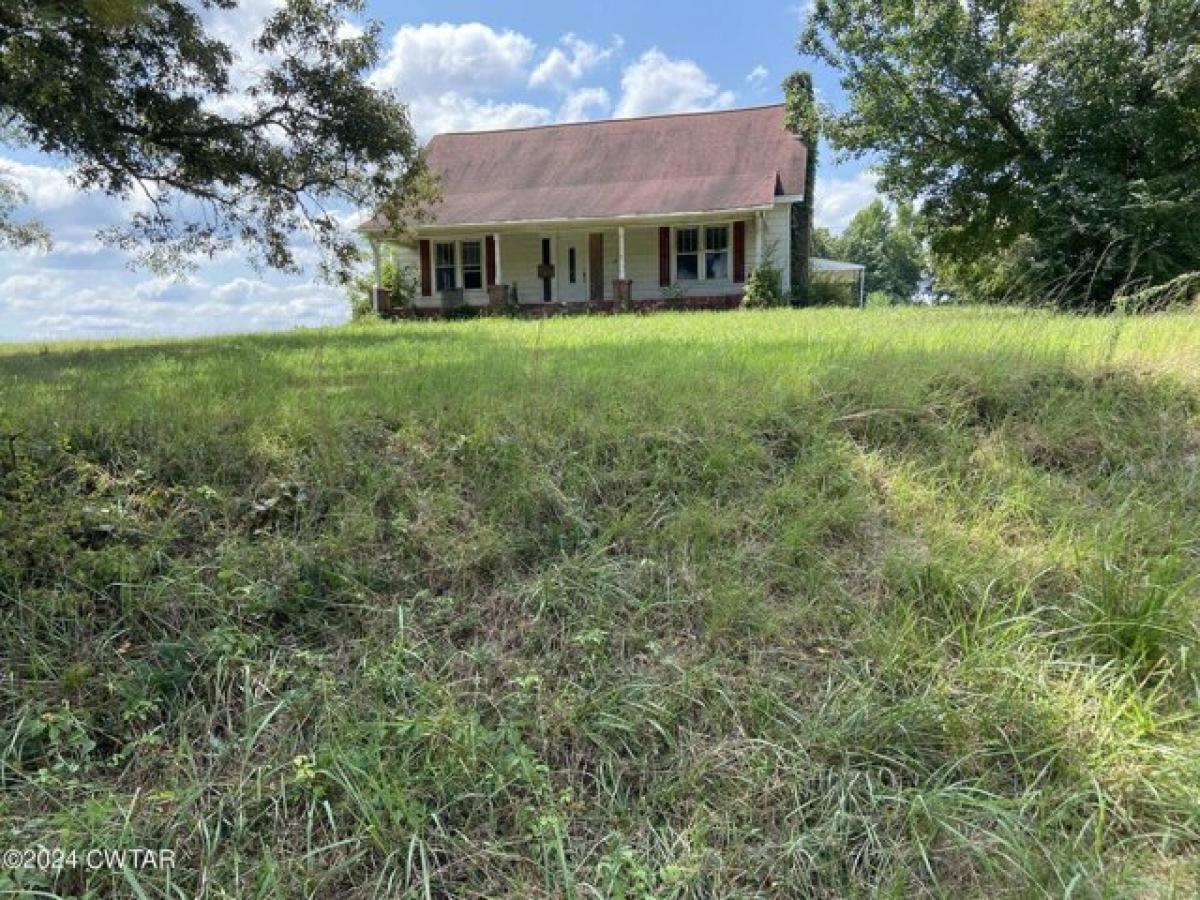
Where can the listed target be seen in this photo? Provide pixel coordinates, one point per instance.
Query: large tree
(886, 243)
(146, 103)
(1055, 144)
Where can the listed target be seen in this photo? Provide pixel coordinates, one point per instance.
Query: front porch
(541, 269)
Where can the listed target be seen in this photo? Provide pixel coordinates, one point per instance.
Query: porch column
(381, 300)
(378, 263)
(622, 287)
(759, 221)
(497, 291)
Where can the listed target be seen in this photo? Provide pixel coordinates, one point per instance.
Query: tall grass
(757, 604)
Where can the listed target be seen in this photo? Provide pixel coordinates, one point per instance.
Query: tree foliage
(1055, 144)
(149, 106)
(887, 243)
(17, 232)
(803, 119)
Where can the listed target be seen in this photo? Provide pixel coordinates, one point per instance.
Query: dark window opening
(687, 254)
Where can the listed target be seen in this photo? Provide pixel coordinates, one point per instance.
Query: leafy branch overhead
(151, 107)
(1055, 144)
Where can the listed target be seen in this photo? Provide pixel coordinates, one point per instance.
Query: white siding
(777, 243)
(405, 256)
(520, 254)
(641, 261)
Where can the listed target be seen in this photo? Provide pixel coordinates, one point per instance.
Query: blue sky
(460, 65)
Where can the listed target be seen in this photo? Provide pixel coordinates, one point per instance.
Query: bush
(832, 293)
(402, 281)
(764, 287)
(880, 298)
(362, 305)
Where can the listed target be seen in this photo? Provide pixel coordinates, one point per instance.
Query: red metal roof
(691, 162)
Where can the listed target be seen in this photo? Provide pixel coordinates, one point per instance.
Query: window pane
(444, 266)
(472, 254)
(716, 237)
(686, 268)
(687, 256)
(716, 265)
(571, 264)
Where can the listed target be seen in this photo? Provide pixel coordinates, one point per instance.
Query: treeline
(1053, 147)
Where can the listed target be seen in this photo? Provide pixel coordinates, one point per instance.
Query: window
(687, 254)
(472, 265)
(690, 250)
(716, 252)
(444, 267)
(571, 264)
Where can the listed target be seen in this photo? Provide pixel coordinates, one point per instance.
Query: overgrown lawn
(772, 604)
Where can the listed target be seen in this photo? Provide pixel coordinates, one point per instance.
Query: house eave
(580, 223)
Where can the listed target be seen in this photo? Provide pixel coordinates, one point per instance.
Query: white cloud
(568, 63)
(71, 216)
(471, 58)
(655, 83)
(757, 76)
(46, 187)
(449, 75)
(838, 199)
(82, 288)
(455, 112)
(48, 304)
(578, 103)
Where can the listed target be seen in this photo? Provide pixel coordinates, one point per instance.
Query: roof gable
(695, 162)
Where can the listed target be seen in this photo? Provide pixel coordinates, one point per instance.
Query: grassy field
(778, 604)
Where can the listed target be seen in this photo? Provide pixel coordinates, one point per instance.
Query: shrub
(512, 303)
(764, 287)
(402, 281)
(880, 298)
(673, 296)
(832, 293)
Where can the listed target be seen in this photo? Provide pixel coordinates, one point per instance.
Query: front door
(572, 268)
(596, 267)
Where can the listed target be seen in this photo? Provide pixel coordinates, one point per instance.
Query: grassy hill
(818, 603)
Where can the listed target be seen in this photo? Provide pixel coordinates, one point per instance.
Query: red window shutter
(664, 256)
(426, 271)
(739, 251)
(489, 259)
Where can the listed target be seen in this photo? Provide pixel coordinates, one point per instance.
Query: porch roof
(623, 168)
